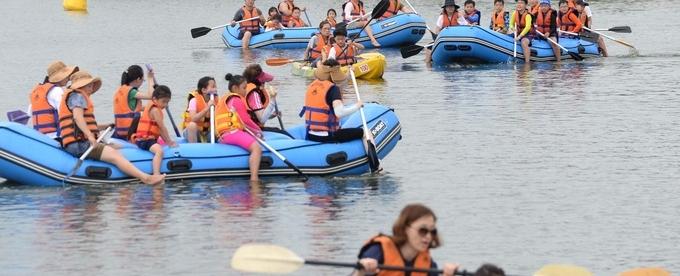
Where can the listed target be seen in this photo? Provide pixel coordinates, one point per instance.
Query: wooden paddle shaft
(619, 41)
(385, 267)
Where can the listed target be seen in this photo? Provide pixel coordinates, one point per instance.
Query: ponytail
(234, 80)
(131, 74)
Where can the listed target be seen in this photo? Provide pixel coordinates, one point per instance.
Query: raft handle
(181, 165)
(464, 47)
(450, 47)
(98, 172)
(337, 158)
(279, 36)
(266, 162)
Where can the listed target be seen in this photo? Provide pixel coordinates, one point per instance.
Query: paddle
(279, 155)
(281, 61)
(377, 12)
(434, 36)
(18, 116)
(273, 259)
(646, 271)
(80, 160)
(276, 107)
(371, 154)
(201, 31)
(309, 22)
(212, 119)
(614, 39)
(618, 29)
(562, 270)
(514, 47)
(167, 108)
(575, 56)
(412, 50)
(587, 36)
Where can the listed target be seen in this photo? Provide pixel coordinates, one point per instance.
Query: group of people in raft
(62, 108)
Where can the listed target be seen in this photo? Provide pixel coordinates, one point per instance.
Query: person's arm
(197, 116)
(440, 23)
(157, 116)
(285, 10)
(369, 260)
(262, 19)
(357, 46)
(589, 14)
(577, 21)
(240, 107)
(79, 119)
(331, 53)
(237, 17)
(310, 46)
(149, 93)
(512, 22)
(475, 19)
(339, 108)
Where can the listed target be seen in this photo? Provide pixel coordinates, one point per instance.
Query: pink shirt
(235, 103)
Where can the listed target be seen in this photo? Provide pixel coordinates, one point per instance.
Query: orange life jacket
(122, 113)
(45, 117)
(320, 45)
(583, 18)
(453, 21)
(226, 119)
(543, 22)
(498, 20)
(347, 57)
(392, 10)
(332, 21)
(569, 22)
(286, 18)
(264, 98)
(70, 132)
(392, 257)
(148, 129)
(571, 3)
(317, 114)
(250, 25)
(520, 20)
(296, 23)
(200, 105)
(357, 9)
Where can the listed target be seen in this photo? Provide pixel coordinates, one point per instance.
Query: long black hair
(234, 80)
(131, 74)
(203, 83)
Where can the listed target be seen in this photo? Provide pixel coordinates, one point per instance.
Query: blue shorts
(146, 144)
(241, 33)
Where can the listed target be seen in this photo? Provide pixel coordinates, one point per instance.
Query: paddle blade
(278, 61)
(380, 9)
(621, 29)
(200, 31)
(575, 56)
(410, 50)
(647, 271)
(18, 116)
(562, 270)
(265, 258)
(372, 155)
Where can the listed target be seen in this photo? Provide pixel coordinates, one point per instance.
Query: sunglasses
(424, 231)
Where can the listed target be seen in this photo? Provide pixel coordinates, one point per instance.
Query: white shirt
(589, 13)
(54, 99)
(348, 11)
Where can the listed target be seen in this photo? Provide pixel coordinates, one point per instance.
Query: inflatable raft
(476, 44)
(31, 158)
(369, 66)
(399, 30)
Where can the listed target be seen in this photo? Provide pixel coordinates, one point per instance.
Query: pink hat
(264, 77)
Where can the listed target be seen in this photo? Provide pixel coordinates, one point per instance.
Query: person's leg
(254, 160)
(556, 49)
(348, 134)
(157, 151)
(111, 155)
(603, 48)
(526, 49)
(190, 132)
(245, 42)
(369, 32)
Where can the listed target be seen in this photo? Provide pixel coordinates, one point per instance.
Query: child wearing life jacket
(585, 15)
(546, 23)
(196, 116)
(330, 17)
(127, 101)
(355, 10)
(286, 10)
(395, 6)
(232, 118)
(260, 99)
(249, 28)
(315, 48)
(295, 20)
(472, 15)
(500, 18)
(274, 23)
(46, 96)
(79, 128)
(567, 19)
(338, 51)
(151, 127)
(521, 22)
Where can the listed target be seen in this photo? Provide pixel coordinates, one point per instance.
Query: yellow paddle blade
(265, 258)
(646, 271)
(562, 270)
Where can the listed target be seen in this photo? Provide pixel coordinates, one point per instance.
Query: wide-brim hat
(82, 78)
(450, 3)
(332, 73)
(58, 71)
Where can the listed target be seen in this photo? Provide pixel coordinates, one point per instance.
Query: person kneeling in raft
(79, 128)
(324, 106)
(231, 120)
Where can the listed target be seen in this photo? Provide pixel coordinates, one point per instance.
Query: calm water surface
(570, 163)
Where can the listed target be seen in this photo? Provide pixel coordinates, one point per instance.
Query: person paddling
(567, 19)
(339, 53)
(546, 23)
(231, 118)
(395, 7)
(248, 29)
(522, 19)
(354, 9)
(46, 97)
(315, 50)
(196, 124)
(450, 16)
(127, 101)
(414, 233)
(585, 15)
(79, 128)
(261, 100)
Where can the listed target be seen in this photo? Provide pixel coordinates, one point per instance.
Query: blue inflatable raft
(31, 158)
(399, 30)
(474, 44)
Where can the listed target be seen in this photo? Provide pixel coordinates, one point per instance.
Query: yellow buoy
(75, 5)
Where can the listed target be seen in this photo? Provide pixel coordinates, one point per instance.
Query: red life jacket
(392, 256)
(317, 114)
(250, 25)
(453, 21)
(543, 22)
(44, 116)
(569, 22)
(357, 9)
(70, 133)
(392, 10)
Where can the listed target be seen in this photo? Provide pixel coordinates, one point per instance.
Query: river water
(572, 163)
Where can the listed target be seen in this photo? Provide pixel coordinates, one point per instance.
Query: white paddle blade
(562, 270)
(265, 258)
(646, 271)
